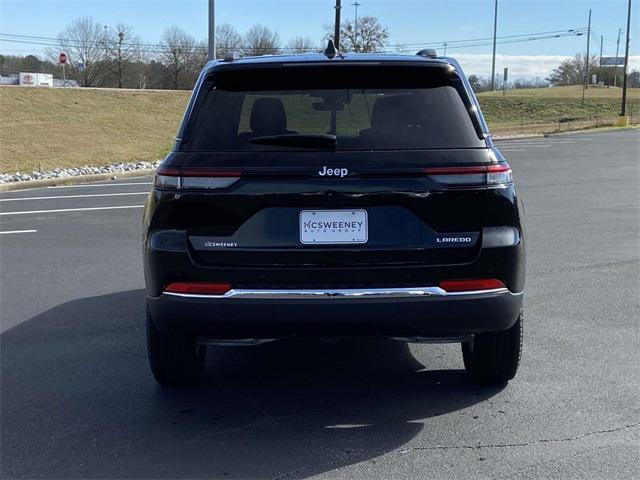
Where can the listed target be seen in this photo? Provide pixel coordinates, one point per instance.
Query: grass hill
(47, 128)
(553, 105)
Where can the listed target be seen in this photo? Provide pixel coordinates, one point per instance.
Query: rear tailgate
(258, 220)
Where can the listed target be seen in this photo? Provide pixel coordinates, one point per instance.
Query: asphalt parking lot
(78, 400)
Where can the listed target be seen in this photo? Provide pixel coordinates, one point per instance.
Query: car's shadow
(78, 400)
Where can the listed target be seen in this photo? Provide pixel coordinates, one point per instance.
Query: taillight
(471, 285)
(496, 174)
(499, 174)
(198, 288)
(194, 178)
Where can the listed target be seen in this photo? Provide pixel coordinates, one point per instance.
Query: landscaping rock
(76, 171)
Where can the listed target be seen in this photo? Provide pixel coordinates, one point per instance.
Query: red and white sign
(35, 79)
(62, 58)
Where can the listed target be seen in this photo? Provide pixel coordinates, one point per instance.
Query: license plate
(322, 227)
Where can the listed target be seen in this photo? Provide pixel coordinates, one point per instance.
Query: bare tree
(228, 41)
(479, 84)
(178, 52)
(198, 61)
(261, 40)
(300, 45)
(124, 48)
(83, 42)
(369, 35)
(572, 71)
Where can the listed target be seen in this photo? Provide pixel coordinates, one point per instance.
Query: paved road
(78, 400)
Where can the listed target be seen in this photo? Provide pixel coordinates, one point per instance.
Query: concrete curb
(570, 132)
(517, 136)
(610, 128)
(52, 182)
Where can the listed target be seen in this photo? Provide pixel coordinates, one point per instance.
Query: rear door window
(365, 108)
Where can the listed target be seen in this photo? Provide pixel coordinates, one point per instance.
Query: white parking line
(537, 143)
(87, 185)
(18, 231)
(73, 196)
(60, 210)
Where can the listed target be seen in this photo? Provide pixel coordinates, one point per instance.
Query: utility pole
(106, 57)
(601, 40)
(623, 110)
(355, 32)
(495, 33)
(445, 48)
(120, 39)
(586, 80)
(336, 32)
(212, 30)
(615, 68)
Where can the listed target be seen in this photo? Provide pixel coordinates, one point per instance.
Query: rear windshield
(365, 108)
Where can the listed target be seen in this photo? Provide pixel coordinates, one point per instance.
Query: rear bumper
(407, 312)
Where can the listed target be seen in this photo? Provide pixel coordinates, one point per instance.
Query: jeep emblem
(333, 172)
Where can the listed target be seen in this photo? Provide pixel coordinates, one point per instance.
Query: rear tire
(175, 358)
(493, 357)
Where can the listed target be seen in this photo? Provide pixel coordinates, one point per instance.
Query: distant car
(355, 195)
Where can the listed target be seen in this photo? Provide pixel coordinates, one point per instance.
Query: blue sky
(409, 21)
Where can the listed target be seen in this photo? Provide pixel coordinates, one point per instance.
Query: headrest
(268, 116)
(391, 112)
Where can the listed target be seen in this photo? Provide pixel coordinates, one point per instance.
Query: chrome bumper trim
(241, 342)
(351, 293)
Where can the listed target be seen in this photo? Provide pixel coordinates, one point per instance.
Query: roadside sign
(505, 78)
(27, 78)
(33, 79)
(62, 58)
(612, 62)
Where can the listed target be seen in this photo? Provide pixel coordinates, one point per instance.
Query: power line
(406, 47)
(54, 41)
(58, 40)
(505, 42)
(453, 42)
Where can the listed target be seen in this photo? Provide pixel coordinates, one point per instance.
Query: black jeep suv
(333, 196)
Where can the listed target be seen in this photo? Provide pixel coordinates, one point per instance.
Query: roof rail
(428, 52)
(232, 56)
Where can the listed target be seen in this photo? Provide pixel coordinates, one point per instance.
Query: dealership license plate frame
(334, 236)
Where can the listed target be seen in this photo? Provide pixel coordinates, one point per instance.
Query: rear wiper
(321, 141)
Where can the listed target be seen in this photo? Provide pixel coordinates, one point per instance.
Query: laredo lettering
(454, 240)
